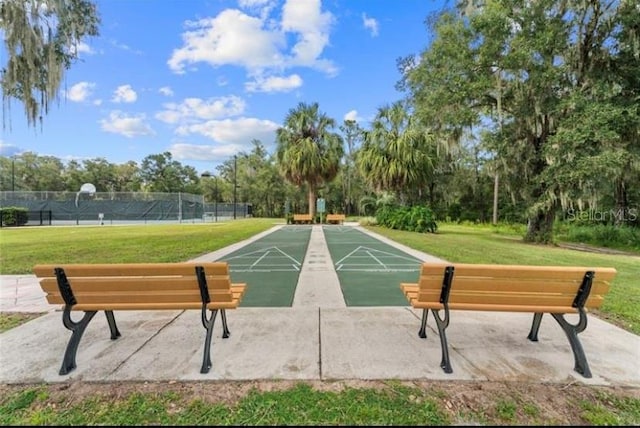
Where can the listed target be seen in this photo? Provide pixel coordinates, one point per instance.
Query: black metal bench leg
(535, 326)
(77, 329)
(442, 324)
(115, 333)
(581, 365)
(423, 324)
(225, 327)
(208, 324)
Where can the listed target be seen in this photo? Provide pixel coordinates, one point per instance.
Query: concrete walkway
(317, 338)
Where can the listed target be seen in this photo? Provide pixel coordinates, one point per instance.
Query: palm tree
(308, 151)
(397, 154)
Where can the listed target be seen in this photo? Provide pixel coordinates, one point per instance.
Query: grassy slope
(20, 249)
(472, 244)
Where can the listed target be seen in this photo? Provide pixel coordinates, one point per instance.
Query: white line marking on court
(380, 270)
(264, 250)
(261, 270)
(342, 259)
(263, 256)
(369, 251)
(376, 259)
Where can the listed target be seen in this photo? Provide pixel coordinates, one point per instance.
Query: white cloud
(274, 84)
(124, 94)
(166, 91)
(232, 38)
(259, 43)
(313, 27)
(80, 92)
(250, 4)
(184, 151)
(8, 150)
(233, 131)
(97, 102)
(371, 24)
(264, 7)
(193, 109)
(353, 115)
(82, 47)
(123, 124)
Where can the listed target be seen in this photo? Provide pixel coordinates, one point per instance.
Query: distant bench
(335, 218)
(302, 218)
(556, 290)
(138, 286)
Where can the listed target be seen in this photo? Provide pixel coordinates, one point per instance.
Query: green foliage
(480, 244)
(308, 151)
(603, 235)
(414, 219)
(612, 411)
(299, 405)
(41, 38)
(551, 86)
(9, 320)
(14, 216)
(122, 244)
(506, 410)
(368, 221)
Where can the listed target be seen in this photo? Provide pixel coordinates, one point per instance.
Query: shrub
(14, 216)
(415, 219)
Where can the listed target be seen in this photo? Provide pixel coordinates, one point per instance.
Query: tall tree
(41, 38)
(395, 153)
(308, 150)
(352, 134)
(160, 173)
(543, 54)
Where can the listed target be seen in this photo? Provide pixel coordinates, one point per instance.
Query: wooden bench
(557, 290)
(138, 286)
(302, 218)
(335, 218)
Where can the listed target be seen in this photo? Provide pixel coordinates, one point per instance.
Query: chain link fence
(123, 207)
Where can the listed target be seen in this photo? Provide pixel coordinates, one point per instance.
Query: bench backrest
(137, 285)
(551, 289)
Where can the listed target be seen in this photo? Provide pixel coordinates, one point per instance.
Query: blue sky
(201, 79)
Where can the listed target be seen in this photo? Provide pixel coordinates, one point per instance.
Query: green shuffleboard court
(270, 266)
(370, 271)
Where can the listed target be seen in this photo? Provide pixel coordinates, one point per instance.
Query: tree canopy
(42, 39)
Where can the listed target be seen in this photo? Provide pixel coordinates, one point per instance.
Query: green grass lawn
(484, 244)
(393, 404)
(22, 248)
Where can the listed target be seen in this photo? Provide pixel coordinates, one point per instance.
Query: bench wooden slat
(498, 308)
(156, 306)
(337, 218)
(513, 284)
(507, 299)
(132, 269)
(150, 296)
(518, 271)
(509, 288)
(136, 284)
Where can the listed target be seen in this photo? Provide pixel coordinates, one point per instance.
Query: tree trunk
(540, 227)
(312, 202)
(622, 213)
